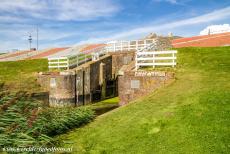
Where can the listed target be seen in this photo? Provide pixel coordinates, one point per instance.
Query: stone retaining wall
(120, 59)
(133, 85)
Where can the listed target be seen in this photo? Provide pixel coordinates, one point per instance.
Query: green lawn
(21, 75)
(192, 115)
(104, 106)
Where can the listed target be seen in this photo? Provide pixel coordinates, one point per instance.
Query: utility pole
(30, 40)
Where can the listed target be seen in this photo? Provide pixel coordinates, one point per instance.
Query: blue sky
(69, 22)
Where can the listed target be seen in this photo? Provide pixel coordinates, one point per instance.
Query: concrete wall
(100, 71)
(121, 58)
(133, 85)
(91, 78)
(62, 89)
(43, 80)
(82, 86)
(96, 80)
(77, 86)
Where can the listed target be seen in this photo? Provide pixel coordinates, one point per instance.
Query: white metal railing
(60, 62)
(128, 45)
(75, 60)
(96, 49)
(68, 62)
(156, 58)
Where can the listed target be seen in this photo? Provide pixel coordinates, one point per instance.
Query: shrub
(59, 120)
(26, 122)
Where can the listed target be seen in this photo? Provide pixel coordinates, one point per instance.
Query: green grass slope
(21, 75)
(192, 115)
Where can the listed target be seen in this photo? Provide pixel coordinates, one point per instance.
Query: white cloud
(215, 29)
(48, 34)
(17, 5)
(75, 10)
(205, 18)
(8, 18)
(170, 1)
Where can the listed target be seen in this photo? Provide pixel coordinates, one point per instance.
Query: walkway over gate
(114, 46)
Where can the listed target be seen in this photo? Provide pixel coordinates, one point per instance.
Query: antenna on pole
(30, 40)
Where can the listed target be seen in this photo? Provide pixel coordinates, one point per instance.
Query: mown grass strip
(189, 116)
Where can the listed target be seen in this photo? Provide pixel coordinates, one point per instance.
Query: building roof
(69, 52)
(92, 48)
(203, 41)
(47, 53)
(14, 54)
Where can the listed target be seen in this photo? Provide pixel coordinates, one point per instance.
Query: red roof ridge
(15, 54)
(197, 37)
(211, 37)
(48, 52)
(92, 46)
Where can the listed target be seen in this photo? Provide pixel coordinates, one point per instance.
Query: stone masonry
(86, 83)
(135, 84)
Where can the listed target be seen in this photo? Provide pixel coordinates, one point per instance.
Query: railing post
(136, 68)
(48, 63)
(58, 63)
(114, 46)
(129, 42)
(153, 60)
(67, 63)
(77, 60)
(173, 55)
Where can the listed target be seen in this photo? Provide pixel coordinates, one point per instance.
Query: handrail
(68, 62)
(128, 45)
(151, 58)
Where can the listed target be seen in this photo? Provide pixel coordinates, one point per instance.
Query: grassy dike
(192, 115)
(21, 75)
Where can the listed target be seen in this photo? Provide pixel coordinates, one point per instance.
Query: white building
(216, 29)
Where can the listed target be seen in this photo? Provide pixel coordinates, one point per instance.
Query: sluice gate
(90, 82)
